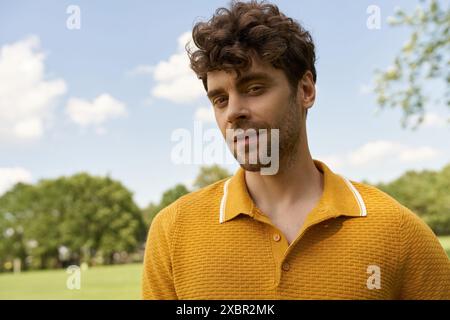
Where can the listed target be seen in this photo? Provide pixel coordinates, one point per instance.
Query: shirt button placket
(278, 247)
(285, 266)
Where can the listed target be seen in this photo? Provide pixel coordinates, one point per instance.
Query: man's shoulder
(372, 193)
(379, 203)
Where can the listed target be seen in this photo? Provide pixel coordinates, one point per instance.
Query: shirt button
(285, 266)
(276, 237)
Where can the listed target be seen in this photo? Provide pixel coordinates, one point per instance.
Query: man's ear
(306, 92)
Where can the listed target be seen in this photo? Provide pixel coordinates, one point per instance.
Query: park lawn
(445, 241)
(103, 282)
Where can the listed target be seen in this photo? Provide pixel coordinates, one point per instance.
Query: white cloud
(179, 90)
(378, 152)
(95, 113)
(10, 176)
(26, 97)
(372, 151)
(175, 81)
(417, 154)
(381, 160)
(205, 115)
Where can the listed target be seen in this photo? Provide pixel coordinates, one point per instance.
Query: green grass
(105, 283)
(445, 241)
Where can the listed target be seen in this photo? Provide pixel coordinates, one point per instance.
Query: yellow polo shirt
(357, 243)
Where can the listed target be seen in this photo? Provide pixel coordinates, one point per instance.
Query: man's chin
(250, 167)
(253, 167)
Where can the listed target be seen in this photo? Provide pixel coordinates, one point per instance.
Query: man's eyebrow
(252, 77)
(213, 93)
(243, 80)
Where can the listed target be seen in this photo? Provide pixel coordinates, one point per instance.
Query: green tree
(72, 218)
(150, 212)
(173, 194)
(423, 62)
(427, 194)
(15, 216)
(209, 175)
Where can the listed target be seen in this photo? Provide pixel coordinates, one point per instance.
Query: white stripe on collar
(359, 199)
(223, 202)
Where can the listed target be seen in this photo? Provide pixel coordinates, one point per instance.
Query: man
(302, 232)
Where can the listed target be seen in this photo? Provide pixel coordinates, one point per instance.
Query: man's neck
(291, 187)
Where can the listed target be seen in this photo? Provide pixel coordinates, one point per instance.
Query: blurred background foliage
(422, 63)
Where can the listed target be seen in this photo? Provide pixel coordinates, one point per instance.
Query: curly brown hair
(229, 39)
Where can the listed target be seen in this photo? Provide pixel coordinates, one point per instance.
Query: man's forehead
(257, 69)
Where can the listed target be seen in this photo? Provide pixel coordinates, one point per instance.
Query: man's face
(260, 98)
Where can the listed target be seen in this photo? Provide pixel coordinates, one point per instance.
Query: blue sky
(107, 97)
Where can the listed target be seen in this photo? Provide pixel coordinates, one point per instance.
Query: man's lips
(246, 139)
(240, 137)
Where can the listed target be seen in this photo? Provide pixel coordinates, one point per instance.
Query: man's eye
(255, 89)
(219, 101)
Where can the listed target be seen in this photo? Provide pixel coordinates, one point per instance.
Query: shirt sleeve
(425, 265)
(157, 278)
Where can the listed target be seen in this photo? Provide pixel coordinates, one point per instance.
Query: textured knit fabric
(357, 243)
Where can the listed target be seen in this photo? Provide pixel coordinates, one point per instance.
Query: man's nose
(237, 108)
